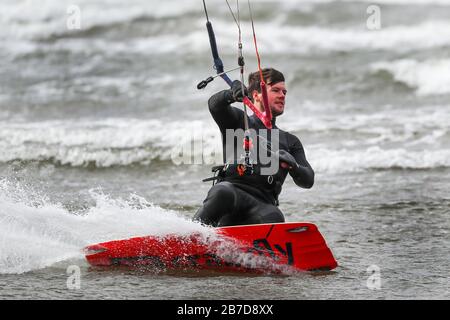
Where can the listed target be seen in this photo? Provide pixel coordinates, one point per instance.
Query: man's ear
(255, 96)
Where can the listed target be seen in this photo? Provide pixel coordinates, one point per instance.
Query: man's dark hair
(271, 76)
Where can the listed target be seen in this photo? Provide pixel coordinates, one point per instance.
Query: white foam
(390, 138)
(121, 141)
(393, 38)
(388, 2)
(21, 25)
(428, 77)
(348, 160)
(385, 125)
(310, 39)
(401, 2)
(102, 142)
(35, 233)
(31, 19)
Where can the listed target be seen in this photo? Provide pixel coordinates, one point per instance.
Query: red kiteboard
(260, 248)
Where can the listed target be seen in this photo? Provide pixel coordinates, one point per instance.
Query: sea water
(90, 118)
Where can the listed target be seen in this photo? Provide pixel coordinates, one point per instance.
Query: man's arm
(226, 116)
(300, 170)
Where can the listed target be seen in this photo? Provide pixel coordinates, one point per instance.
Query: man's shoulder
(291, 138)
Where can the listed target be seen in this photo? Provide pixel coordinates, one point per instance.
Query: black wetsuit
(249, 199)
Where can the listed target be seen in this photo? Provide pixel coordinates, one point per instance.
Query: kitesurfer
(240, 198)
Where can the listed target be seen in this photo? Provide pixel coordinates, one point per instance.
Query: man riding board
(248, 196)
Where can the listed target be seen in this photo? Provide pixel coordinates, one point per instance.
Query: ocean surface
(90, 119)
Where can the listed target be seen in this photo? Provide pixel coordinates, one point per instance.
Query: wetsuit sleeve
(226, 116)
(303, 175)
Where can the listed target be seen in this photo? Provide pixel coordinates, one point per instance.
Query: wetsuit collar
(261, 123)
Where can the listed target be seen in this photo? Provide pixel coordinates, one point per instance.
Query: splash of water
(35, 233)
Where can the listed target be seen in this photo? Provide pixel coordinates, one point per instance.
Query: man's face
(277, 97)
(276, 94)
